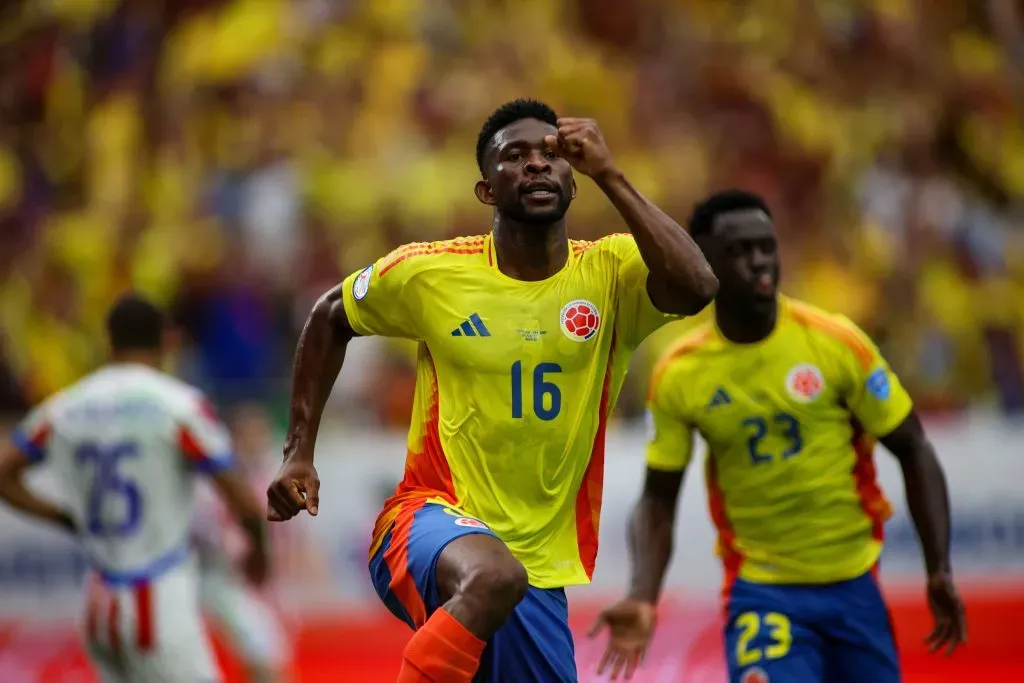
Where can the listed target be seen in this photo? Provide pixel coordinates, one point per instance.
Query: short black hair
(702, 220)
(506, 115)
(135, 324)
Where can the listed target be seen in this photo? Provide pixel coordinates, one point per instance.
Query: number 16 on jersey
(547, 397)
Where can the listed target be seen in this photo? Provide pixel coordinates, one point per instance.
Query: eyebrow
(515, 142)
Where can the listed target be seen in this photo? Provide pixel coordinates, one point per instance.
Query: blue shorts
(534, 646)
(833, 633)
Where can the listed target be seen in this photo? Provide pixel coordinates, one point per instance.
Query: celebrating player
(789, 400)
(525, 337)
(126, 442)
(242, 614)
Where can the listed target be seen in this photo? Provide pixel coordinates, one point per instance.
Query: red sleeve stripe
(189, 447)
(423, 249)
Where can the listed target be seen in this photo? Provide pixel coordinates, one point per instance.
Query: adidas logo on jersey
(720, 398)
(472, 326)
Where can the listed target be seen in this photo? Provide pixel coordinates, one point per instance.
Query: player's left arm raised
(881, 404)
(680, 281)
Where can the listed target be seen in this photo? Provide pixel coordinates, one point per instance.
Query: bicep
(663, 485)
(13, 460)
(329, 311)
(670, 437)
(907, 438)
(202, 439)
(637, 315)
(379, 300)
(237, 493)
(871, 390)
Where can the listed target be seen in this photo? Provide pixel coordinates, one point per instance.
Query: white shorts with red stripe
(148, 630)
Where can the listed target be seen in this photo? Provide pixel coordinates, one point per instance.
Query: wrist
(644, 596)
(295, 448)
(609, 178)
(65, 520)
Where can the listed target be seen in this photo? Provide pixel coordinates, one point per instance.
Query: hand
(67, 522)
(256, 566)
(580, 142)
(295, 488)
(948, 611)
(630, 624)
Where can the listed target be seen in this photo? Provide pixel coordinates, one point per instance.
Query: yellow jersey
(789, 423)
(515, 382)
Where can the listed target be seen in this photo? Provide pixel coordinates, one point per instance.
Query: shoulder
(176, 396)
(836, 331)
(620, 245)
(681, 357)
(416, 257)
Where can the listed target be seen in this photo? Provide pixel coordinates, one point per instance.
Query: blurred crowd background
(234, 158)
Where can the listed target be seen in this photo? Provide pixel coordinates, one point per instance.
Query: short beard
(517, 212)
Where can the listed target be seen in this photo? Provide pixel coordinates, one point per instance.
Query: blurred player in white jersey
(239, 610)
(127, 442)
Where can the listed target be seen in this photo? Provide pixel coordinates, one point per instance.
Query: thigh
(404, 570)
(535, 645)
(861, 646)
(106, 667)
(769, 636)
(167, 641)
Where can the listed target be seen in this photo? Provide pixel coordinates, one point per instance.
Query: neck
(530, 252)
(746, 323)
(153, 359)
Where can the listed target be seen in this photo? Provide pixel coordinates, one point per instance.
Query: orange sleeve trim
(828, 326)
(687, 344)
(466, 247)
(580, 246)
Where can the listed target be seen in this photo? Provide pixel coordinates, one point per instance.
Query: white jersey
(127, 442)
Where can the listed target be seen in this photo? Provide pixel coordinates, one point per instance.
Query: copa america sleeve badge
(361, 286)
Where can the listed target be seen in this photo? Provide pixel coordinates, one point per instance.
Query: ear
(484, 192)
(172, 339)
(573, 194)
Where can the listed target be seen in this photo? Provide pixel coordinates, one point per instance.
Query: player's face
(526, 181)
(745, 255)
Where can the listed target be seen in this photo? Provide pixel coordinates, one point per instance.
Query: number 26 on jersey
(114, 506)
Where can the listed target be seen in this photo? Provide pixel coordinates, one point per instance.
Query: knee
(497, 588)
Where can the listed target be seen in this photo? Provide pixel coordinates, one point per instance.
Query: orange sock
(441, 651)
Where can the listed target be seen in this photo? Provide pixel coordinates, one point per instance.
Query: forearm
(256, 530)
(318, 360)
(675, 262)
(651, 529)
(18, 496)
(928, 501)
(243, 503)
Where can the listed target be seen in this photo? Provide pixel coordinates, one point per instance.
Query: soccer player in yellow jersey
(789, 400)
(524, 339)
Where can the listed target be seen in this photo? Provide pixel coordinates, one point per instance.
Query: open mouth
(540, 190)
(764, 284)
